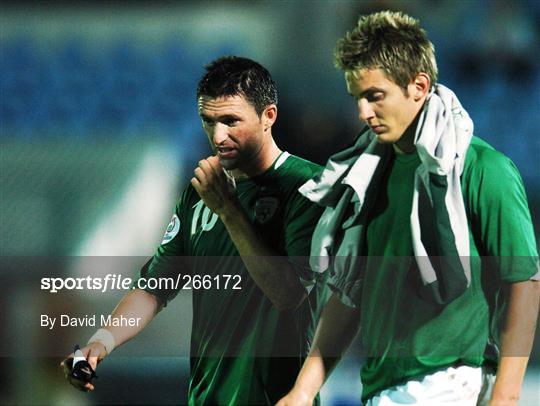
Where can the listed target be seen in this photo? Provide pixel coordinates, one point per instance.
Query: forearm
(313, 374)
(517, 338)
(510, 374)
(137, 305)
(273, 274)
(337, 328)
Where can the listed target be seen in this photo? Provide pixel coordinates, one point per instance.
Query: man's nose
(220, 134)
(365, 110)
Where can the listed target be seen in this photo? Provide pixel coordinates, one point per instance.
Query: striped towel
(439, 226)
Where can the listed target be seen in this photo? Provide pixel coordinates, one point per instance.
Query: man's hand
(94, 353)
(295, 398)
(213, 185)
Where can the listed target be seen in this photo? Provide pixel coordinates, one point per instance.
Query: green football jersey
(403, 335)
(243, 350)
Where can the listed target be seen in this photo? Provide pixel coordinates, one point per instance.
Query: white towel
(438, 220)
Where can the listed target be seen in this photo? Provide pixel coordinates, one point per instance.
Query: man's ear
(421, 84)
(269, 116)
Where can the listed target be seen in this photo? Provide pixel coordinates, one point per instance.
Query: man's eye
(230, 122)
(376, 96)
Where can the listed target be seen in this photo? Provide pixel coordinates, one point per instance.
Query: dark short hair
(234, 75)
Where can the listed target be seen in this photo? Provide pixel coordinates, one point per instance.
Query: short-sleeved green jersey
(243, 350)
(405, 336)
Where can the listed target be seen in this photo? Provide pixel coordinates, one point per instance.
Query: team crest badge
(265, 208)
(172, 230)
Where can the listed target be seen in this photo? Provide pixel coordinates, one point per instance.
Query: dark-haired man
(430, 237)
(241, 234)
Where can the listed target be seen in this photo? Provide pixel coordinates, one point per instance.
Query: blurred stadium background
(99, 134)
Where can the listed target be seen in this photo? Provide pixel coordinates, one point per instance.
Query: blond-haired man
(426, 235)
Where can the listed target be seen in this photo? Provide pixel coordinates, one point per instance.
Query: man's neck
(405, 145)
(397, 150)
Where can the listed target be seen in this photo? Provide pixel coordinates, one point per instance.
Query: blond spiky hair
(390, 41)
